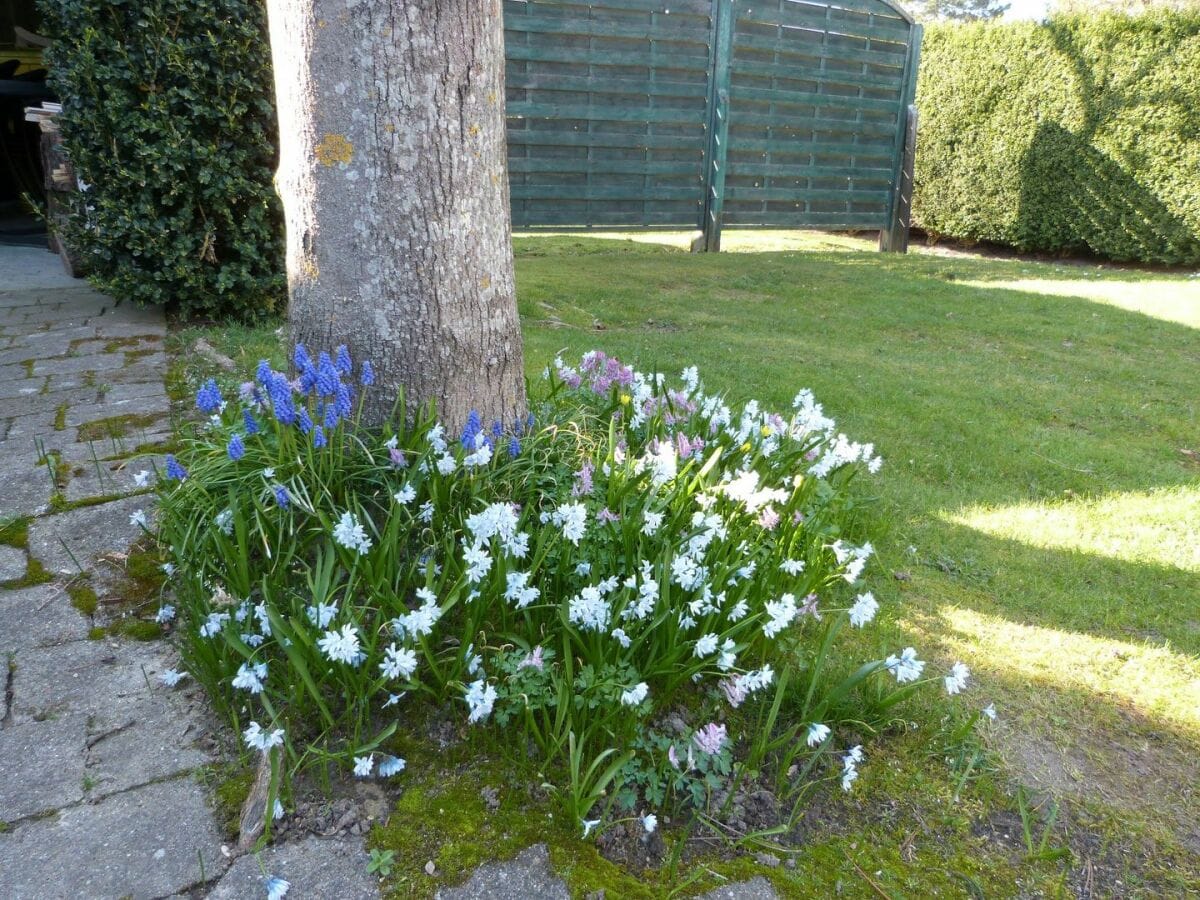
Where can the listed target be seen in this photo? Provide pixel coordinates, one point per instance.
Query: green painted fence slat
(553, 81)
(525, 110)
(811, 98)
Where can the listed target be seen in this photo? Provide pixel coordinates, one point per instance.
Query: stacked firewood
(60, 182)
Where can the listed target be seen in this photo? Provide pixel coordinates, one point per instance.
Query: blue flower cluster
(474, 428)
(324, 381)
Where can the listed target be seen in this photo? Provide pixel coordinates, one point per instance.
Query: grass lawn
(1038, 516)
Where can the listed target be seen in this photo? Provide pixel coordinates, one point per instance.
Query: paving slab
(41, 767)
(67, 365)
(526, 875)
(315, 867)
(27, 494)
(20, 386)
(106, 480)
(12, 566)
(105, 678)
(111, 407)
(757, 888)
(147, 741)
(149, 842)
(67, 542)
(40, 616)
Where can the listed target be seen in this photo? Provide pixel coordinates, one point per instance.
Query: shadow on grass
(976, 397)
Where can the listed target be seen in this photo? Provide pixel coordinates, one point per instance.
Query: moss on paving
(35, 574)
(15, 533)
(230, 785)
(83, 598)
(116, 426)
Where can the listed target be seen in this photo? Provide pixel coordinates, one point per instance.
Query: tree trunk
(394, 180)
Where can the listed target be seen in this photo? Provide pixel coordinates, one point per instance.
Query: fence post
(718, 127)
(895, 238)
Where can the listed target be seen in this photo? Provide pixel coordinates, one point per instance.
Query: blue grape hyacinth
(208, 398)
(175, 471)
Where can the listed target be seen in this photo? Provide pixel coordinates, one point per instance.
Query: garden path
(101, 793)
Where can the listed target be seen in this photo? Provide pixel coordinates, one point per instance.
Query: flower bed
(643, 586)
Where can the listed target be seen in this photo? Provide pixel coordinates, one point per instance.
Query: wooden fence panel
(701, 113)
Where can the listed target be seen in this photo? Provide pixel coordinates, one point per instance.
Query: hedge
(168, 118)
(1078, 135)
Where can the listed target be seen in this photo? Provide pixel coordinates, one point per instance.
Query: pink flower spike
(768, 518)
(534, 659)
(711, 738)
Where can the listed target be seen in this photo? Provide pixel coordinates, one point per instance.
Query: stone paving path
(99, 794)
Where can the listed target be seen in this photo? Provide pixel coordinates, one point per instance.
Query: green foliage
(168, 118)
(1078, 135)
(635, 549)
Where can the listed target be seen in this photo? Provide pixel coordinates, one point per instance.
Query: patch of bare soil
(1152, 773)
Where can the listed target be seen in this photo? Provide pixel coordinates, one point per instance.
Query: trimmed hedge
(168, 117)
(1078, 135)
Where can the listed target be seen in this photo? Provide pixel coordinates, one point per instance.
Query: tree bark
(394, 180)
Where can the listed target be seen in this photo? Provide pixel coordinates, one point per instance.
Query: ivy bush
(168, 121)
(1081, 134)
(632, 555)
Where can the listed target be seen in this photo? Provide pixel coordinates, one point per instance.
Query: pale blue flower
(391, 765)
(277, 887)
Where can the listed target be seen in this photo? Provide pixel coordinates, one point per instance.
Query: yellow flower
(766, 431)
(626, 399)
(745, 446)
